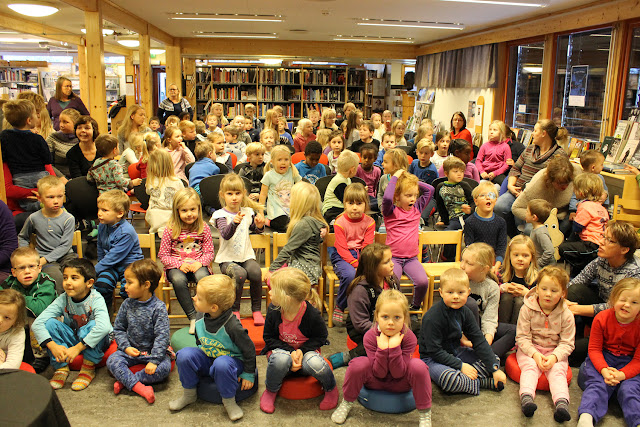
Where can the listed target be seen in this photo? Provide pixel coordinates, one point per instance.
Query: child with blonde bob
(12, 335)
(268, 138)
(253, 169)
(218, 111)
(239, 217)
(398, 127)
(271, 119)
(491, 161)
(393, 161)
(328, 119)
(519, 274)
(333, 205)
(278, 179)
(293, 334)
(162, 185)
(152, 141)
(322, 136)
(171, 121)
(545, 339)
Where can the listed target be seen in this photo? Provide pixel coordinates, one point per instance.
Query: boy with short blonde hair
(333, 204)
(188, 129)
(253, 170)
(591, 161)
(538, 211)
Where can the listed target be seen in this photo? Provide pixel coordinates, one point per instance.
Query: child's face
(377, 121)
(455, 175)
(233, 200)
(189, 212)
(74, 283)
(84, 132)
(485, 202)
(494, 133)
(443, 145)
(218, 146)
(597, 166)
(329, 121)
(424, 156)
(26, 270)
(626, 306)
(354, 209)
(407, 199)
(464, 154)
(281, 164)
(390, 318)
(175, 140)
(135, 289)
(475, 271)
(365, 133)
(248, 124)
(189, 134)
(359, 119)
(108, 215)
(249, 111)
(314, 117)
(388, 166)
(454, 295)
(230, 138)
(400, 130)
(386, 116)
(530, 218)
(52, 199)
(217, 110)
(368, 157)
(200, 302)
(238, 122)
(549, 293)
(212, 122)
(8, 316)
(312, 160)
(307, 129)
(388, 142)
(154, 125)
(336, 144)
(256, 159)
(66, 124)
(281, 126)
(267, 140)
(520, 257)
(385, 268)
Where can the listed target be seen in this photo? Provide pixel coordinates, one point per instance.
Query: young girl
(271, 119)
(393, 161)
(519, 273)
(379, 130)
(293, 334)
(162, 186)
(546, 334)
(134, 123)
(461, 149)
(304, 233)
(328, 119)
(132, 153)
(373, 275)
(492, 157)
(276, 184)
(351, 133)
(283, 135)
(172, 121)
(212, 124)
(151, 142)
(398, 129)
(239, 216)
(335, 147)
(477, 260)
(354, 230)
(268, 138)
(218, 111)
(613, 365)
(402, 207)
(304, 135)
(442, 149)
(180, 154)
(12, 336)
(186, 249)
(322, 136)
(388, 365)
(61, 141)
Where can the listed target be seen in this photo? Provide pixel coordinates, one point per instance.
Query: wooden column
(82, 69)
(548, 74)
(146, 92)
(616, 71)
(95, 67)
(498, 106)
(173, 67)
(189, 67)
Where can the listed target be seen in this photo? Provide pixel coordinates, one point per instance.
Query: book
(620, 136)
(575, 147)
(617, 168)
(605, 148)
(526, 137)
(625, 154)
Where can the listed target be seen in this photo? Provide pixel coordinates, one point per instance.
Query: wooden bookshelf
(21, 76)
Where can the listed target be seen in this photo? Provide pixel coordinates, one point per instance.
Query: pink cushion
(513, 371)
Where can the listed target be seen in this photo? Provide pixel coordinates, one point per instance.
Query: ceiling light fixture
(129, 42)
(156, 51)
(34, 9)
(225, 17)
(232, 35)
(105, 31)
(18, 40)
(410, 24)
(271, 61)
(373, 39)
(524, 3)
(532, 70)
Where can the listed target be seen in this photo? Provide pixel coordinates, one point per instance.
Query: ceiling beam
(22, 25)
(117, 49)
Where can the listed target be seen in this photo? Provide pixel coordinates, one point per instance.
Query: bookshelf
(21, 76)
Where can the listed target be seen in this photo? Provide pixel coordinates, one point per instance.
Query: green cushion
(181, 339)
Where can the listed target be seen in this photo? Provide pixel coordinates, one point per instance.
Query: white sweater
(12, 345)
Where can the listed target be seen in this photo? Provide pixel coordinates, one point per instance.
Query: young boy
(141, 331)
(26, 153)
(589, 223)
(212, 124)
(591, 161)
(388, 143)
(243, 136)
(118, 244)
(485, 226)
(85, 327)
(188, 129)
(204, 166)
(154, 124)
(268, 138)
(310, 167)
(224, 348)
(457, 369)
(222, 157)
(422, 166)
(369, 173)
(366, 137)
(233, 145)
(250, 110)
(106, 171)
(253, 133)
(314, 116)
(201, 131)
(254, 169)
(333, 205)
(538, 211)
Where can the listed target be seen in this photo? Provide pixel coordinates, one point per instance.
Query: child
(53, 227)
(386, 120)
(131, 154)
(151, 142)
(591, 161)
(304, 135)
(453, 198)
(322, 136)
(154, 125)
(225, 353)
(354, 230)
(250, 111)
(201, 130)
(388, 365)
(394, 160)
(293, 334)
(189, 134)
(519, 273)
(314, 116)
(336, 146)
(304, 233)
(106, 171)
(477, 260)
(204, 166)
(388, 143)
(353, 122)
(118, 244)
(268, 138)
(589, 223)
(491, 161)
(283, 134)
(333, 205)
(443, 139)
(61, 141)
(538, 211)
(213, 124)
(12, 335)
(365, 131)
(461, 149)
(277, 183)
(233, 145)
(171, 121)
(311, 168)
(239, 217)
(85, 327)
(253, 133)
(222, 157)
(484, 225)
(456, 368)
(184, 116)
(424, 132)
(545, 339)
(243, 136)
(397, 129)
(161, 186)
(180, 154)
(612, 365)
(186, 249)
(328, 119)
(369, 173)
(254, 169)
(422, 166)
(141, 331)
(218, 111)
(402, 207)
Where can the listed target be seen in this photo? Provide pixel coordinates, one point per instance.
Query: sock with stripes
(527, 405)
(454, 381)
(86, 375)
(488, 383)
(561, 414)
(59, 377)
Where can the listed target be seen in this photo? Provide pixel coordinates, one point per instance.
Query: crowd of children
(352, 181)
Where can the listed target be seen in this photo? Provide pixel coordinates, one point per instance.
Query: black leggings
(280, 223)
(583, 295)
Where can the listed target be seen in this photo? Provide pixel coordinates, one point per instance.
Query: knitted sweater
(24, 151)
(492, 157)
(107, 175)
(54, 236)
(618, 339)
(188, 247)
(531, 161)
(59, 144)
(545, 251)
(12, 344)
(38, 296)
(168, 108)
(492, 231)
(487, 295)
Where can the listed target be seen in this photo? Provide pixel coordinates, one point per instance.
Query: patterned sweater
(531, 161)
(107, 175)
(450, 197)
(189, 246)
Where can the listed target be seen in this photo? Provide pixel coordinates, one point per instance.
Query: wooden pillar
(130, 71)
(95, 67)
(146, 91)
(614, 80)
(498, 106)
(82, 69)
(545, 107)
(189, 67)
(173, 67)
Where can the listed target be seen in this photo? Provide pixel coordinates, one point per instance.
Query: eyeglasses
(26, 267)
(490, 196)
(609, 241)
(171, 90)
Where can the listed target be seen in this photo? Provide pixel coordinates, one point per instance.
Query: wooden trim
(632, 25)
(545, 107)
(146, 80)
(173, 66)
(189, 67)
(129, 70)
(95, 68)
(82, 69)
(615, 73)
(25, 26)
(498, 106)
(117, 49)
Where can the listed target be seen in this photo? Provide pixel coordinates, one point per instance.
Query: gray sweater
(545, 251)
(487, 294)
(54, 236)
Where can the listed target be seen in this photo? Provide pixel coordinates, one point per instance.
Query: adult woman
(134, 123)
(459, 127)
(80, 157)
(63, 99)
(173, 105)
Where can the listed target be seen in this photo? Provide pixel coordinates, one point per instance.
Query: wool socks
(425, 417)
(86, 375)
(189, 396)
(488, 383)
(340, 415)
(233, 410)
(117, 387)
(561, 413)
(527, 405)
(145, 391)
(268, 401)
(330, 400)
(585, 420)
(59, 377)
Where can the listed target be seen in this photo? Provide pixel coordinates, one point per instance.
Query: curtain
(471, 67)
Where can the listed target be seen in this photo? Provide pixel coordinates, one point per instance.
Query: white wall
(448, 101)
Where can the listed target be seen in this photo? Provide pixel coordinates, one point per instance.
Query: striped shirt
(531, 161)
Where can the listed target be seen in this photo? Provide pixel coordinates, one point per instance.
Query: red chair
(297, 158)
(409, 158)
(134, 173)
(512, 370)
(324, 159)
(301, 387)
(234, 160)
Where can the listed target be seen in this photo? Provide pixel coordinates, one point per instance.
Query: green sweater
(38, 296)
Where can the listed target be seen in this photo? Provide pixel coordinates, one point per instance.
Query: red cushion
(255, 333)
(512, 369)
(351, 345)
(301, 387)
(77, 362)
(26, 367)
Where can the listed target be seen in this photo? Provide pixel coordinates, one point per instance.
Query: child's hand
(631, 169)
(195, 266)
(521, 290)
(491, 176)
(323, 232)
(510, 162)
(505, 288)
(185, 268)
(499, 377)
(73, 352)
(136, 182)
(150, 369)
(466, 209)
(469, 371)
(604, 197)
(396, 340)
(609, 376)
(383, 342)
(259, 220)
(43, 261)
(59, 352)
(484, 175)
(3, 356)
(465, 342)
(537, 357)
(238, 218)
(549, 361)
(572, 216)
(132, 351)
(245, 384)
(618, 376)
(255, 197)
(296, 359)
(489, 338)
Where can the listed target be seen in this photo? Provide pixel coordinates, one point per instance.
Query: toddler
(253, 170)
(106, 171)
(268, 138)
(538, 211)
(222, 157)
(12, 336)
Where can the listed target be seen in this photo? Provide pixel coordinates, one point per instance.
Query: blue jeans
(62, 334)
(193, 364)
(279, 366)
(120, 362)
(504, 203)
(29, 180)
(345, 272)
(180, 282)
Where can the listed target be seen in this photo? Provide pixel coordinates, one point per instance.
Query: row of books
(325, 95)
(356, 96)
(278, 93)
(18, 76)
(13, 92)
(324, 77)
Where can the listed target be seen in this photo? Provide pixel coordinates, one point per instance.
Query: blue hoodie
(118, 246)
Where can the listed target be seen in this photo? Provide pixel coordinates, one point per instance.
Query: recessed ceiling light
(524, 3)
(105, 31)
(34, 9)
(373, 39)
(410, 24)
(129, 42)
(271, 61)
(235, 35)
(18, 40)
(532, 70)
(156, 51)
(225, 17)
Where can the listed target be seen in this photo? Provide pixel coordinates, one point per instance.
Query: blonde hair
(588, 186)
(72, 113)
(326, 113)
(557, 274)
(356, 193)
(116, 200)
(276, 152)
(24, 252)
(347, 160)
(136, 142)
(152, 141)
(272, 131)
(423, 131)
(215, 137)
(395, 296)
(186, 124)
(393, 129)
(172, 120)
(13, 297)
(249, 106)
(484, 255)
(160, 167)
(406, 182)
(203, 149)
(626, 284)
(46, 127)
(291, 287)
(425, 144)
(222, 120)
(305, 201)
(589, 158)
(233, 182)
(125, 130)
(168, 134)
(200, 127)
(47, 183)
(322, 137)
(301, 124)
(398, 159)
(484, 186)
(175, 223)
(454, 276)
(508, 272)
(255, 147)
(271, 120)
(218, 289)
(502, 127)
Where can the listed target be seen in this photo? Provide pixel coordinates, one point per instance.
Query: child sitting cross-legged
(12, 337)
(141, 330)
(85, 327)
(310, 167)
(538, 211)
(253, 170)
(333, 203)
(106, 171)
(225, 352)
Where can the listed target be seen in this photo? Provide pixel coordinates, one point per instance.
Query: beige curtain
(471, 67)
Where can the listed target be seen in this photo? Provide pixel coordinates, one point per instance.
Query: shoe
(258, 318)
(40, 364)
(192, 327)
(337, 360)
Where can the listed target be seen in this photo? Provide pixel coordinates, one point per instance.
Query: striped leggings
(453, 380)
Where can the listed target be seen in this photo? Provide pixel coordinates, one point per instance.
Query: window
(523, 84)
(633, 84)
(579, 86)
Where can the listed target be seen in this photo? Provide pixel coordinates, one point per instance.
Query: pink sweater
(181, 157)
(493, 156)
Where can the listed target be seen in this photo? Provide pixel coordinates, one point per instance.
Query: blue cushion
(386, 401)
(207, 390)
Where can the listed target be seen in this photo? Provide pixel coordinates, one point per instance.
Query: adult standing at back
(459, 127)
(63, 99)
(132, 124)
(173, 105)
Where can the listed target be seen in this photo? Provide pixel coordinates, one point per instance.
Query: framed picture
(129, 79)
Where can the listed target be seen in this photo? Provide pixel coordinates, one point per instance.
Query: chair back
(234, 160)
(223, 168)
(140, 191)
(133, 171)
(322, 185)
(446, 237)
(359, 180)
(82, 198)
(237, 167)
(262, 241)
(297, 158)
(210, 189)
(187, 168)
(148, 241)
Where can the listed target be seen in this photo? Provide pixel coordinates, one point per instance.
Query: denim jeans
(29, 180)
(194, 364)
(180, 282)
(279, 366)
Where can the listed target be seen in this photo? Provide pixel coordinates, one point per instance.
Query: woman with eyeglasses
(64, 98)
(173, 105)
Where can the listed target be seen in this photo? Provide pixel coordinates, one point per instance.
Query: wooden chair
(436, 269)
(627, 207)
(330, 277)
(77, 242)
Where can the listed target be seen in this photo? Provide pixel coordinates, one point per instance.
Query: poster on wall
(578, 85)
